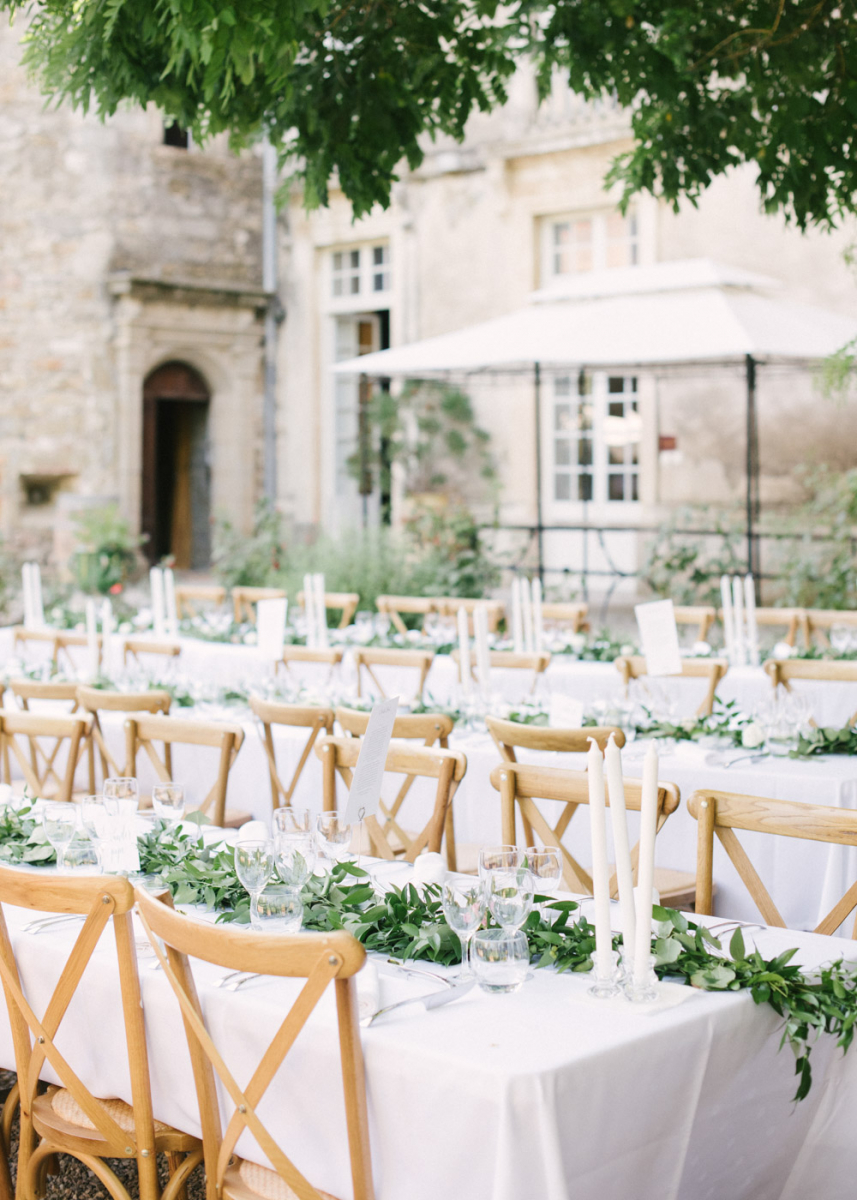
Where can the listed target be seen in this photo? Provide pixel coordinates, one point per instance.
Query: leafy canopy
(347, 87)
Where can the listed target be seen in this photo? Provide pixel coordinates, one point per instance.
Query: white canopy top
(680, 312)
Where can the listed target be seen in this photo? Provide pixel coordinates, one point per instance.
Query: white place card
(659, 637)
(564, 712)
(365, 795)
(271, 628)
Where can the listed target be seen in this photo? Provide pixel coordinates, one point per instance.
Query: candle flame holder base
(642, 990)
(606, 976)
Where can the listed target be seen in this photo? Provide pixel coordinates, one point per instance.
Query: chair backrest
(702, 616)
(566, 613)
(509, 660)
(346, 602)
(508, 735)
(143, 732)
(134, 647)
(712, 669)
(98, 700)
(366, 658)
(319, 958)
(445, 606)
(522, 785)
(425, 727)
(784, 670)
(721, 813)
(244, 600)
(24, 636)
(25, 690)
(448, 606)
(330, 655)
(448, 767)
(816, 623)
(38, 764)
(212, 595)
(270, 713)
(65, 640)
(394, 606)
(791, 620)
(101, 899)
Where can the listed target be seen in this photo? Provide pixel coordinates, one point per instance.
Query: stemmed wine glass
(291, 820)
(333, 836)
(121, 799)
(546, 868)
(60, 823)
(294, 858)
(254, 866)
(510, 897)
(464, 909)
(168, 802)
(499, 858)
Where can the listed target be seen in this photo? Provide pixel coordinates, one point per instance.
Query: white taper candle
(156, 585)
(309, 610)
(600, 868)
(527, 615)
(752, 626)
(538, 621)
(738, 621)
(646, 864)
(91, 640)
(464, 652)
(726, 618)
(320, 611)
(517, 617)
(621, 845)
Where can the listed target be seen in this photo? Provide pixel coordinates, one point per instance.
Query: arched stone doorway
(176, 472)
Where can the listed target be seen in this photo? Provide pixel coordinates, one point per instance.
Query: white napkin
(429, 868)
(253, 831)
(368, 990)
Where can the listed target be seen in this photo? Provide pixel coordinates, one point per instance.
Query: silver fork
(46, 922)
(394, 962)
(235, 984)
(223, 981)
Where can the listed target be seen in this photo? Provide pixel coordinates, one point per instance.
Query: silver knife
(432, 1000)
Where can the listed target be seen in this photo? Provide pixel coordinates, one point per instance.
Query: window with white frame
(359, 271)
(596, 434)
(589, 242)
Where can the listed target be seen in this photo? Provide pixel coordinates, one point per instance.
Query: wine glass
(121, 799)
(546, 868)
(294, 857)
(168, 802)
(499, 858)
(333, 836)
(254, 865)
(464, 909)
(510, 897)
(60, 823)
(291, 820)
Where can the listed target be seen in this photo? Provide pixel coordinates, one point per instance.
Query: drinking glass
(545, 866)
(292, 820)
(93, 816)
(499, 858)
(294, 857)
(333, 836)
(254, 865)
(464, 909)
(510, 897)
(60, 823)
(500, 959)
(121, 799)
(81, 857)
(279, 910)
(168, 802)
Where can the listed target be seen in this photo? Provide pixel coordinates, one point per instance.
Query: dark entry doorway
(176, 473)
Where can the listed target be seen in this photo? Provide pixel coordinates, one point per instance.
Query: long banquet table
(542, 1093)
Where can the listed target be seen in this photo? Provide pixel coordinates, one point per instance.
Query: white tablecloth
(543, 1093)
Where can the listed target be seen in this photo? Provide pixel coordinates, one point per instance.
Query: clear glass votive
(642, 987)
(280, 910)
(500, 959)
(605, 975)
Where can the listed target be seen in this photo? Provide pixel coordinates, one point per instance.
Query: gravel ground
(75, 1182)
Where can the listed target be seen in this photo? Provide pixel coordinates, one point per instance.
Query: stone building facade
(132, 320)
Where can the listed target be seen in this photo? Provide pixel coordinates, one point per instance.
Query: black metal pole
(752, 498)
(537, 380)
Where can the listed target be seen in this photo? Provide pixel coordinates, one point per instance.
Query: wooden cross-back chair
(23, 637)
(331, 655)
(444, 606)
(782, 671)
(448, 606)
(432, 729)
(566, 613)
(366, 658)
(320, 959)
(702, 616)
(71, 1119)
(448, 767)
(712, 669)
(190, 596)
(245, 599)
(521, 786)
(66, 640)
(142, 732)
(133, 648)
(721, 813)
(394, 606)
(345, 602)
(58, 691)
(817, 622)
(790, 620)
(509, 660)
(38, 763)
(269, 713)
(96, 701)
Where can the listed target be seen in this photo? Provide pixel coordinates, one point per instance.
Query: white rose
(783, 650)
(577, 642)
(627, 650)
(752, 736)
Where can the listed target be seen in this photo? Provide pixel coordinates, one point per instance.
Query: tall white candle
(527, 615)
(156, 585)
(27, 595)
(600, 868)
(464, 652)
(309, 609)
(171, 615)
(738, 621)
(538, 621)
(483, 657)
(91, 640)
(646, 864)
(621, 846)
(320, 612)
(106, 638)
(752, 626)
(38, 604)
(726, 617)
(517, 618)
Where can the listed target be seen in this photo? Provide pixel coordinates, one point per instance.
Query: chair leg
(174, 1161)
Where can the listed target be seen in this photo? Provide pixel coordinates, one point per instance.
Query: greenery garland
(826, 741)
